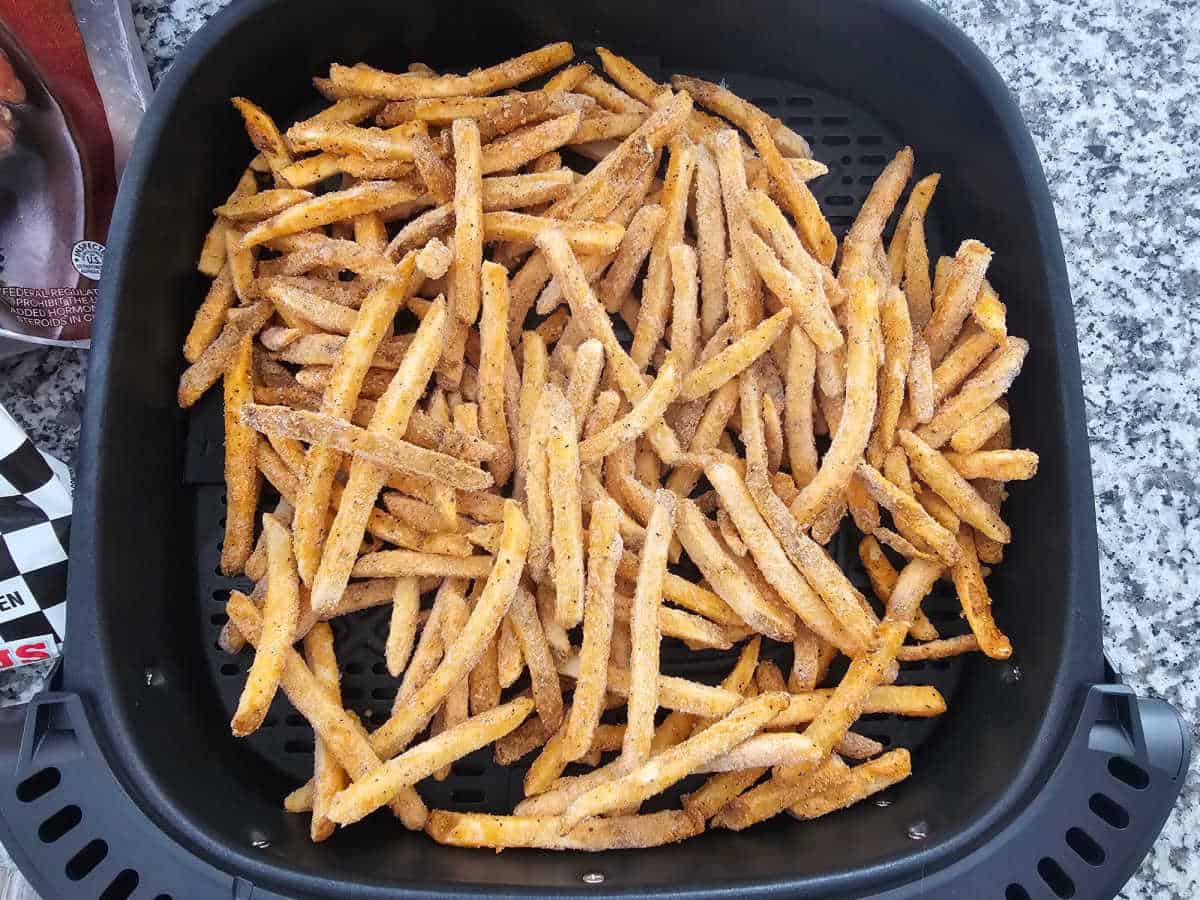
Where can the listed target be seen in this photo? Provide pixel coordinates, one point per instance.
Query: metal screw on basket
(919, 830)
(1011, 674)
(154, 678)
(883, 802)
(593, 878)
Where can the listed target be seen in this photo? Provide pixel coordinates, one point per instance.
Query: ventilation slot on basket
(1128, 772)
(59, 824)
(122, 886)
(1056, 879)
(39, 784)
(1016, 892)
(83, 862)
(1109, 810)
(1085, 847)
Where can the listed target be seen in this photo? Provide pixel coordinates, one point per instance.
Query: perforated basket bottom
(855, 147)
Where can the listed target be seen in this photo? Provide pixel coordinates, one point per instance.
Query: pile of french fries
(424, 363)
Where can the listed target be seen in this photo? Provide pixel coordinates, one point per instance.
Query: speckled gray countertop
(1110, 90)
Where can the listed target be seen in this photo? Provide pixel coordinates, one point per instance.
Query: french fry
(509, 661)
(493, 332)
(644, 632)
(468, 221)
(921, 386)
(996, 465)
(215, 358)
(366, 479)
(858, 247)
(777, 568)
(972, 348)
(210, 317)
(712, 796)
(393, 144)
(261, 205)
(850, 439)
(725, 577)
(966, 278)
(937, 472)
(976, 604)
(463, 652)
(402, 627)
(535, 650)
(735, 358)
(645, 412)
(862, 781)
(604, 554)
(365, 81)
(381, 784)
(812, 226)
(280, 609)
(740, 112)
(914, 210)
(212, 253)
(943, 648)
(533, 380)
(917, 289)
(430, 646)
(764, 751)
(778, 793)
(518, 148)
(897, 339)
(337, 728)
(614, 833)
(328, 775)
(656, 286)
(631, 253)
(975, 433)
(566, 537)
(264, 135)
(659, 772)
(584, 380)
(798, 409)
(908, 514)
(241, 475)
(365, 197)
(710, 241)
(537, 475)
(685, 312)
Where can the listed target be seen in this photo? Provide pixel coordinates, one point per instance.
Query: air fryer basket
(1044, 779)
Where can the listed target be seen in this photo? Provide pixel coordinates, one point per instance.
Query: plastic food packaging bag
(35, 523)
(73, 87)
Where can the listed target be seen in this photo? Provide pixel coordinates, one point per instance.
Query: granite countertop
(1110, 90)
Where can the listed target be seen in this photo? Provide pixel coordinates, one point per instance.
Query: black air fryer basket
(1046, 778)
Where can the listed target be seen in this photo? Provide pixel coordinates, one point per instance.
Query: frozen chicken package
(73, 86)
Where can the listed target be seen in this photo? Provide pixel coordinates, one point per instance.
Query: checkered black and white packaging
(35, 522)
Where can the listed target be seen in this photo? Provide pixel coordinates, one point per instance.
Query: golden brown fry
(278, 617)
(468, 221)
(402, 629)
(860, 783)
(493, 335)
(917, 290)
(563, 479)
(945, 647)
(635, 246)
(584, 380)
(735, 358)
(798, 410)
(975, 433)
(914, 211)
(937, 472)
(328, 775)
(264, 135)
(644, 632)
(898, 346)
(921, 387)
(710, 241)
(779, 792)
(656, 286)
(382, 783)
(543, 674)
(614, 833)
(741, 112)
(648, 410)
(241, 474)
(909, 516)
(850, 439)
(518, 148)
(996, 465)
(659, 772)
(365, 197)
(215, 358)
(365, 81)
(366, 479)
(858, 247)
(811, 224)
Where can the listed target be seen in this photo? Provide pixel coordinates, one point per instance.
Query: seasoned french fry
(644, 632)
(850, 439)
(908, 514)
(210, 317)
(734, 359)
(921, 386)
(365, 81)
(997, 465)
(897, 339)
(812, 226)
(858, 247)
(740, 112)
(860, 783)
(566, 538)
(614, 833)
(279, 613)
(604, 554)
(710, 241)
(382, 783)
(648, 410)
(917, 289)
(215, 358)
(402, 628)
(328, 775)
(798, 410)
(943, 648)
(659, 772)
(685, 312)
(584, 380)
(493, 330)
(542, 672)
(966, 278)
(937, 472)
(365, 197)
(264, 135)
(914, 210)
(635, 246)
(973, 435)
(241, 474)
